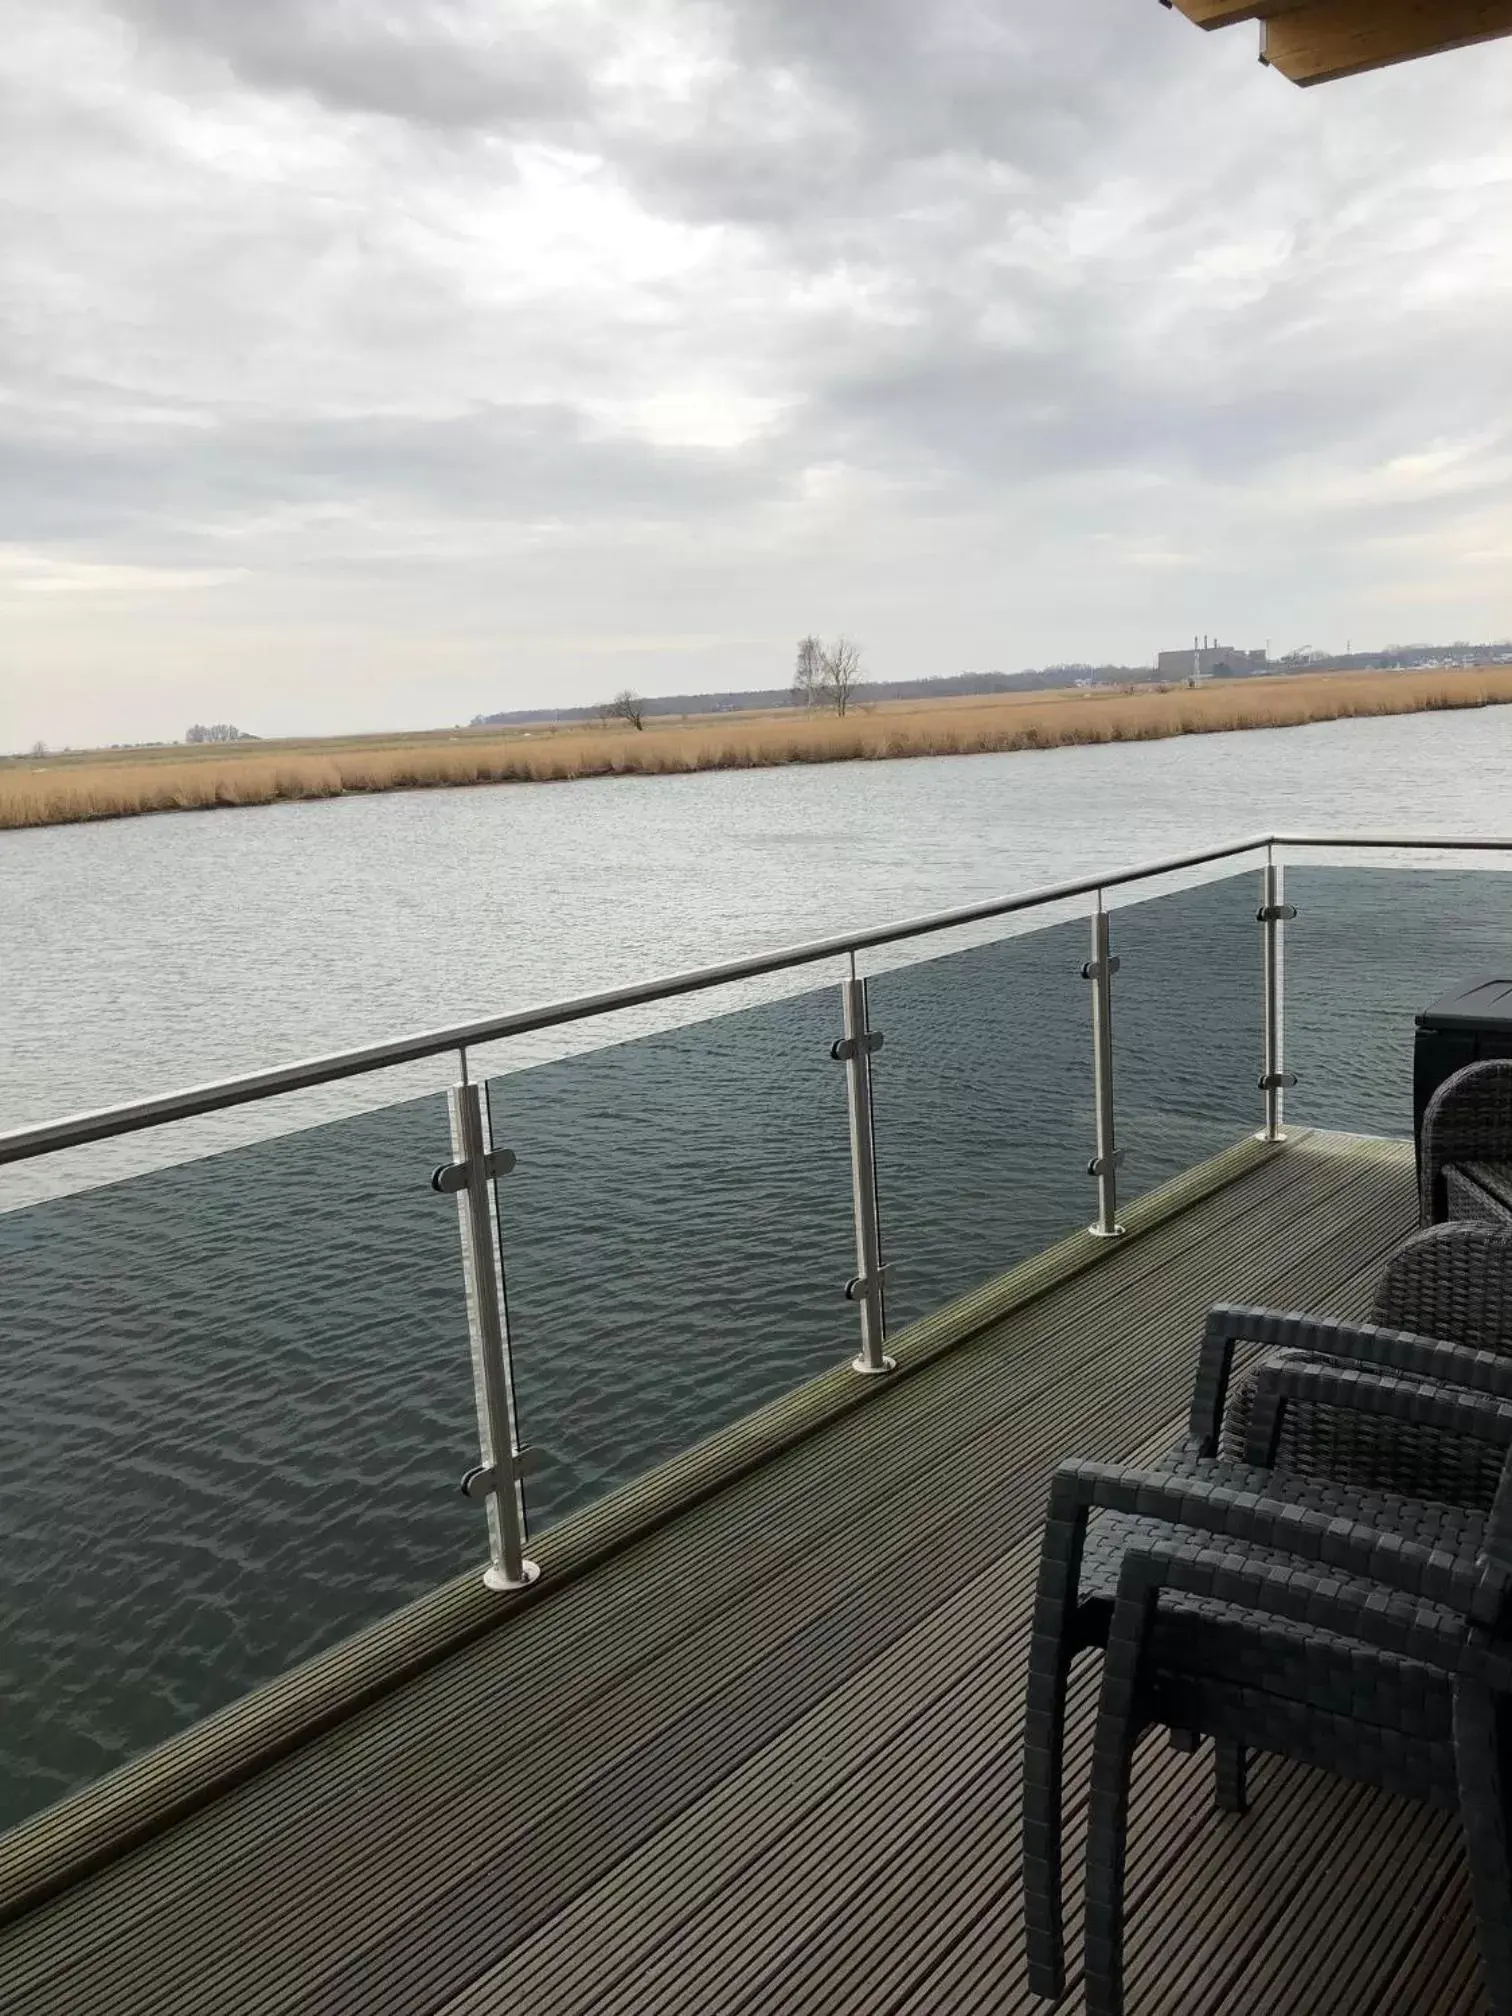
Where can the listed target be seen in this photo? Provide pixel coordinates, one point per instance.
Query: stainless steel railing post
(1273, 915)
(1100, 969)
(854, 1050)
(497, 1478)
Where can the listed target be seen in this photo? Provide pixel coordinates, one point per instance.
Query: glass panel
(676, 1238)
(1188, 1015)
(237, 1398)
(984, 1112)
(1370, 948)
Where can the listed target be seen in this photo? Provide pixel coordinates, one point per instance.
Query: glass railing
(1370, 948)
(676, 1237)
(241, 1389)
(984, 1095)
(1187, 1027)
(235, 1391)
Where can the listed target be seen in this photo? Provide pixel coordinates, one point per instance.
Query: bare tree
(626, 706)
(842, 673)
(808, 673)
(827, 675)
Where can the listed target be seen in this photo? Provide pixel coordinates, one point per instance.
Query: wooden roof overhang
(1316, 41)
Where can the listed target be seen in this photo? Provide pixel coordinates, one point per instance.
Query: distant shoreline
(84, 786)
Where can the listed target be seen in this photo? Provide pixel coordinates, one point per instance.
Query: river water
(237, 1393)
(158, 952)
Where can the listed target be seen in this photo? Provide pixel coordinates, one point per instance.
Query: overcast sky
(370, 363)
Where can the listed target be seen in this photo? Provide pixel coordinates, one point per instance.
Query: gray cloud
(526, 464)
(429, 62)
(989, 329)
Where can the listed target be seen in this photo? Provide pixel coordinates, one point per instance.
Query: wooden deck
(765, 1755)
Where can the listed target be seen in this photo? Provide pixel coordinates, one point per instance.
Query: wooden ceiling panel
(1341, 38)
(1317, 41)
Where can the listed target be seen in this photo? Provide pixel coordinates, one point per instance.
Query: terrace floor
(764, 1755)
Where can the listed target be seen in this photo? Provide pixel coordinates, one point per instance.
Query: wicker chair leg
(1107, 1846)
(1044, 1751)
(1119, 1721)
(1050, 1653)
(1230, 1776)
(1485, 1784)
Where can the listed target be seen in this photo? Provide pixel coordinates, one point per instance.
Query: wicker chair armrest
(1397, 1623)
(1417, 1357)
(1400, 1351)
(1417, 1403)
(1248, 1518)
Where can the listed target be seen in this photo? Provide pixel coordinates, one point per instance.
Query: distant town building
(1203, 658)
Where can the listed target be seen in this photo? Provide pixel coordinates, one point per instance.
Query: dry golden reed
(55, 791)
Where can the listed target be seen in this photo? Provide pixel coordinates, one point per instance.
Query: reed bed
(48, 792)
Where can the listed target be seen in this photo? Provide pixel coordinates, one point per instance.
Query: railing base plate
(874, 1371)
(495, 1578)
(1107, 1231)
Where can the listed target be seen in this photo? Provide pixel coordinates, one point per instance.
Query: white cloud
(24, 573)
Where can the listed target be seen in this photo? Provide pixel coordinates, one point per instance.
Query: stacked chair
(1321, 1570)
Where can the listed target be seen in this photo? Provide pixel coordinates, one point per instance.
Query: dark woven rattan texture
(1468, 1120)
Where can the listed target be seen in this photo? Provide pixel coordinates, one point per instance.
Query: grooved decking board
(765, 1755)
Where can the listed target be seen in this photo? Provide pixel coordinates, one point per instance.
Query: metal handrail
(23, 1143)
(1456, 843)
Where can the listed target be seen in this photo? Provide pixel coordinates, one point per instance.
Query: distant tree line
(824, 675)
(219, 731)
(1403, 657)
(758, 698)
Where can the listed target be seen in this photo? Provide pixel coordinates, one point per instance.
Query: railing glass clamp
(483, 1478)
(1100, 1163)
(845, 1047)
(860, 1286)
(1275, 913)
(452, 1176)
(1278, 1081)
(1095, 969)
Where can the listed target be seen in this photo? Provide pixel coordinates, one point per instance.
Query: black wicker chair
(1098, 1511)
(1364, 1450)
(1378, 1659)
(1465, 1152)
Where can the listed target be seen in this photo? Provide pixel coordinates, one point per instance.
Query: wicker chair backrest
(1451, 1281)
(1468, 1119)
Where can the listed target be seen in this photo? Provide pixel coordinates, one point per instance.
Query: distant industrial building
(1205, 659)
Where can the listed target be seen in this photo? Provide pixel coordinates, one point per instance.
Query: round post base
(874, 1371)
(495, 1578)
